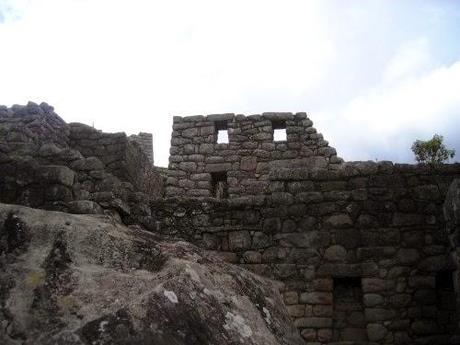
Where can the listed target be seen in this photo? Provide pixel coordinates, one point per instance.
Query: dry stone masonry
(199, 164)
(361, 246)
(367, 253)
(48, 163)
(145, 141)
(362, 250)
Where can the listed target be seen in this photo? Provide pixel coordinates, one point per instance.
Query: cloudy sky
(373, 75)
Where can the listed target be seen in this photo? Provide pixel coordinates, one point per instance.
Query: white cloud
(414, 57)
(390, 118)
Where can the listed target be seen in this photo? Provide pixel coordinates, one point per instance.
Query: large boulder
(84, 279)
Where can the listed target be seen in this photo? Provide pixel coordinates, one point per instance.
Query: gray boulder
(83, 279)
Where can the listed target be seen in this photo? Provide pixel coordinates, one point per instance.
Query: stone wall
(145, 141)
(361, 247)
(452, 216)
(47, 163)
(122, 157)
(243, 163)
(24, 128)
(362, 250)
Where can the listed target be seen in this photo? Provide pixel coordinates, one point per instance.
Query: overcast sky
(373, 75)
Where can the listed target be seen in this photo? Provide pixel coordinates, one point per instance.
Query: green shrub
(432, 151)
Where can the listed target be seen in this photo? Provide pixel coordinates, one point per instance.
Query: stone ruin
(366, 251)
(198, 161)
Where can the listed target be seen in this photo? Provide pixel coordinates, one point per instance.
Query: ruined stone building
(366, 252)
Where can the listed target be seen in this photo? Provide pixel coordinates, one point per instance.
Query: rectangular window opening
(279, 130)
(445, 290)
(348, 314)
(219, 185)
(222, 132)
(446, 301)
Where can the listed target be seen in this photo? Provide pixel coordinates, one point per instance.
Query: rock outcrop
(83, 279)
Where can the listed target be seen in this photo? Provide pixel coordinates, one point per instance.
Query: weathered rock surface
(83, 279)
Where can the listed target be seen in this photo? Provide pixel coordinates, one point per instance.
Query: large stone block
(408, 256)
(374, 285)
(239, 240)
(338, 221)
(376, 331)
(248, 163)
(335, 253)
(85, 207)
(313, 322)
(87, 164)
(427, 192)
(56, 174)
(316, 298)
(218, 167)
(379, 314)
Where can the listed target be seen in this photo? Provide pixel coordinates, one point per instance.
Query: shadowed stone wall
(377, 225)
(45, 162)
(145, 141)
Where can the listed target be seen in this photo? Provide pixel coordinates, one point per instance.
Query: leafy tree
(432, 151)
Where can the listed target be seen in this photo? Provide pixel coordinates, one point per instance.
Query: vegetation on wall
(432, 151)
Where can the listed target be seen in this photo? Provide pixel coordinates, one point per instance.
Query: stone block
(348, 238)
(309, 335)
(274, 254)
(323, 284)
(282, 198)
(400, 300)
(376, 332)
(372, 299)
(260, 240)
(220, 117)
(427, 192)
(262, 136)
(324, 335)
(218, 167)
(408, 256)
(188, 166)
(316, 298)
(298, 239)
(296, 310)
(335, 253)
(85, 207)
(252, 257)
(309, 197)
(272, 225)
(239, 240)
(338, 221)
(57, 192)
(407, 219)
(56, 174)
(283, 271)
(248, 163)
(313, 322)
(373, 285)
(323, 310)
(379, 314)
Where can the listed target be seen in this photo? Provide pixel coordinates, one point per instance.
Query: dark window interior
(446, 302)
(219, 185)
(348, 315)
